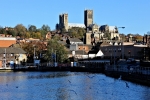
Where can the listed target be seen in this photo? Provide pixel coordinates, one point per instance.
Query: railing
(135, 69)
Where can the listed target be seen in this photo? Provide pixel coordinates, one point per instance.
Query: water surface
(68, 86)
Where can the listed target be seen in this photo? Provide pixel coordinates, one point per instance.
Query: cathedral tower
(63, 21)
(88, 17)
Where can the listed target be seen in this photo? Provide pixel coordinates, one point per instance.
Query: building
(146, 40)
(71, 25)
(11, 54)
(88, 18)
(94, 32)
(117, 50)
(7, 41)
(63, 22)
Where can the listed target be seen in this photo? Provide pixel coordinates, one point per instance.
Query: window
(90, 16)
(4, 55)
(109, 50)
(106, 49)
(119, 49)
(11, 54)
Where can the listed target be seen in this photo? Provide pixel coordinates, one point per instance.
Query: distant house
(79, 54)
(48, 35)
(75, 41)
(31, 39)
(7, 41)
(95, 53)
(17, 55)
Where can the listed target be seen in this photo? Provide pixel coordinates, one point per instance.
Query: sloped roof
(10, 50)
(74, 40)
(112, 27)
(93, 52)
(76, 25)
(105, 44)
(62, 42)
(78, 52)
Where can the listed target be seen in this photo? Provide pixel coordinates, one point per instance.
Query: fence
(132, 69)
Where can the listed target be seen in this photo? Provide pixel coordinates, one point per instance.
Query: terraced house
(11, 55)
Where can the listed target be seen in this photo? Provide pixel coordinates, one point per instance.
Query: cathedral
(93, 31)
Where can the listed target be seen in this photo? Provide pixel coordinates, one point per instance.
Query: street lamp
(34, 53)
(5, 59)
(83, 48)
(115, 50)
(122, 43)
(55, 59)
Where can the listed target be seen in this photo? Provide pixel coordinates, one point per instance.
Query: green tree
(52, 47)
(32, 28)
(45, 28)
(81, 32)
(11, 32)
(2, 31)
(63, 30)
(107, 35)
(123, 37)
(76, 32)
(27, 35)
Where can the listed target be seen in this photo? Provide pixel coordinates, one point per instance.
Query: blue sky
(134, 15)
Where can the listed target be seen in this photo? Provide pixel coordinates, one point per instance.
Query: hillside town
(69, 42)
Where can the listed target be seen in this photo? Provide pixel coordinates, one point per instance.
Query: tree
(123, 37)
(63, 30)
(81, 32)
(27, 35)
(32, 28)
(46, 28)
(52, 47)
(2, 31)
(30, 46)
(11, 32)
(43, 30)
(107, 35)
(20, 30)
(138, 37)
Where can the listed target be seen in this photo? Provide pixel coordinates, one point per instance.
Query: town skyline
(129, 14)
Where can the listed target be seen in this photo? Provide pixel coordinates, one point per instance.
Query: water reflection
(67, 86)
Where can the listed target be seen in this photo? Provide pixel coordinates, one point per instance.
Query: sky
(134, 15)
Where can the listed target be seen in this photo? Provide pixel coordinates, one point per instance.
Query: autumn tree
(20, 30)
(29, 47)
(138, 37)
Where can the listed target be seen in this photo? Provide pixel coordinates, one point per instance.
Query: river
(68, 86)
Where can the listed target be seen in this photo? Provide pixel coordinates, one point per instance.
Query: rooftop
(76, 25)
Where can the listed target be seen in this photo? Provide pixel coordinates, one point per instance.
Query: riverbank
(132, 77)
(128, 76)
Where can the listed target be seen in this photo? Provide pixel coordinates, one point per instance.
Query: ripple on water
(68, 86)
